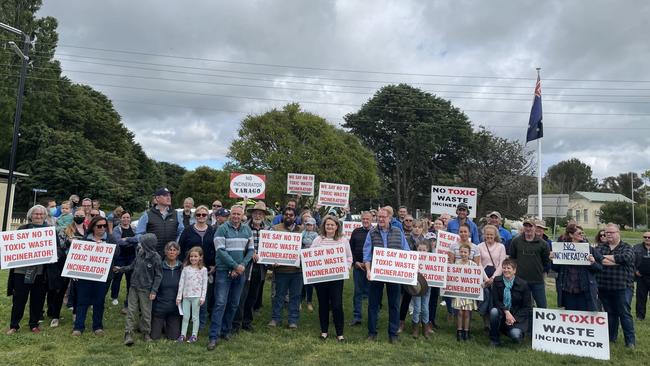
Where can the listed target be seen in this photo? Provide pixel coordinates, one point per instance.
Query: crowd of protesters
(200, 266)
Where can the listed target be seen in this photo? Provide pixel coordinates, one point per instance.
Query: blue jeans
(539, 294)
(360, 291)
(80, 317)
(498, 326)
(375, 293)
(227, 291)
(617, 306)
(291, 282)
(421, 308)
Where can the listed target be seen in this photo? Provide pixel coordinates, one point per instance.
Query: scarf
(507, 296)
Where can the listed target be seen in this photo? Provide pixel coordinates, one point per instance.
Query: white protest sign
(349, 226)
(334, 195)
(565, 332)
(24, 248)
(324, 264)
(464, 281)
(445, 199)
(571, 253)
(395, 266)
(433, 266)
(279, 247)
(445, 241)
(247, 186)
(88, 260)
(300, 184)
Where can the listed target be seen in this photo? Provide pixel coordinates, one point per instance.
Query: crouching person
(512, 305)
(145, 280)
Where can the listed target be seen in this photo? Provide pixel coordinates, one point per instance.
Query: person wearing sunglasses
(89, 293)
(577, 288)
(601, 237)
(202, 235)
(642, 274)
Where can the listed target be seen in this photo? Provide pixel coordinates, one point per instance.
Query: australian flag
(535, 128)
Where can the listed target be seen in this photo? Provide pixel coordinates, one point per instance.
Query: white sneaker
(54, 323)
(115, 302)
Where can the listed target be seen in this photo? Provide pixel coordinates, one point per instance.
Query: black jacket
(165, 302)
(521, 300)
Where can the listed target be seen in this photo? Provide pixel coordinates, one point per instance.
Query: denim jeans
(80, 317)
(498, 326)
(227, 291)
(360, 291)
(617, 306)
(421, 308)
(539, 294)
(291, 282)
(375, 293)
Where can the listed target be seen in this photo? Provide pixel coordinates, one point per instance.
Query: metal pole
(539, 171)
(632, 189)
(14, 142)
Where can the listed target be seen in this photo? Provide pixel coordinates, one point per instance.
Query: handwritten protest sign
(464, 282)
(278, 247)
(300, 184)
(445, 199)
(332, 194)
(247, 186)
(445, 241)
(395, 266)
(324, 264)
(88, 260)
(23, 248)
(433, 266)
(571, 253)
(566, 332)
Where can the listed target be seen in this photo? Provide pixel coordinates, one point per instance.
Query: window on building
(586, 215)
(578, 212)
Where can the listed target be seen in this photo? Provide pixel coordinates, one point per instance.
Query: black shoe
(434, 326)
(640, 318)
(630, 346)
(212, 345)
(459, 335)
(248, 328)
(371, 338)
(355, 322)
(226, 337)
(393, 339)
(494, 344)
(466, 335)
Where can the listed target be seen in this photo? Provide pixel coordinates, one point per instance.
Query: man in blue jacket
(462, 211)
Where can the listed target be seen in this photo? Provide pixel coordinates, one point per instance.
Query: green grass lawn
(281, 346)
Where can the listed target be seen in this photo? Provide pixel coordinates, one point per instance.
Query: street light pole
(24, 55)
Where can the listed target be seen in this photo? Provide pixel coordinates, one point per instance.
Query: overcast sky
(230, 58)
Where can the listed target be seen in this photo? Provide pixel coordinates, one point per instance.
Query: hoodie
(147, 266)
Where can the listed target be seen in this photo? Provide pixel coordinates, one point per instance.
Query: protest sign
(395, 266)
(300, 184)
(88, 260)
(565, 332)
(445, 199)
(324, 264)
(334, 195)
(571, 253)
(433, 266)
(23, 248)
(464, 281)
(349, 226)
(445, 241)
(247, 186)
(279, 247)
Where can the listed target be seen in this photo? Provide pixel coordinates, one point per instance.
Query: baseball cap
(223, 212)
(310, 221)
(162, 192)
(494, 213)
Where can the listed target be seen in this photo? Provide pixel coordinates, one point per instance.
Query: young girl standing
(464, 306)
(191, 290)
(308, 237)
(421, 303)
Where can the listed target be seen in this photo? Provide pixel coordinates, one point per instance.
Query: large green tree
(569, 176)
(623, 183)
(205, 185)
(417, 138)
(291, 140)
(621, 213)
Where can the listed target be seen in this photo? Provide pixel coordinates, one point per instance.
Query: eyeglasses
(101, 226)
(579, 233)
(602, 234)
(611, 232)
(408, 220)
(216, 205)
(93, 215)
(201, 215)
(646, 237)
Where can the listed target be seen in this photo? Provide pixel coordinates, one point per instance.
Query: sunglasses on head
(201, 214)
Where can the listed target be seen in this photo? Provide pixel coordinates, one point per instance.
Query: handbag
(490, 269)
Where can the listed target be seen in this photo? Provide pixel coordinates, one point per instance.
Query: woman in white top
(330, 294)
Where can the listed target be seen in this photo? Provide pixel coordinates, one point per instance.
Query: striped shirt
(234, 246)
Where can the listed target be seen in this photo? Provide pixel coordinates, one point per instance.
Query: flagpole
(539, 170)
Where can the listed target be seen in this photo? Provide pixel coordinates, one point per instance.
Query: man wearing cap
(255, 273)
(532, 255)
(234, 244)
(494, 218)
(462, 210)
(221, 215)
(540, 228)
(384, 236)
(357, 240)
(160, 220)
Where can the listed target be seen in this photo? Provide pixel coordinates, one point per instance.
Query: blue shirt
(367, 245)
(454, 225)
(144, 220)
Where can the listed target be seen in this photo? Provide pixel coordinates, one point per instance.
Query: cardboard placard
(279, 247)
(464, 281)
(324, 264)
(333, 195)
(433, 266)
(24, 248)
(88, 260)
(300, 184)
(565, 332)
(445, 199)
(394, 266)
(571, 253)
(445, 241)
